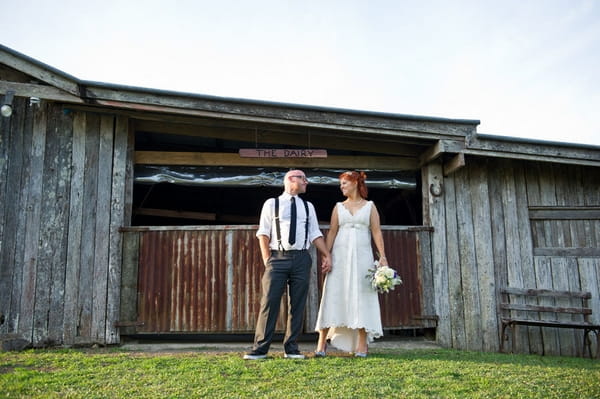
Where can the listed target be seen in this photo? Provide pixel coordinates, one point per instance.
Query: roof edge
(523, 140)
(245, 101)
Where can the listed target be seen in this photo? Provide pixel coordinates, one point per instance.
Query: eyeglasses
(300, 177)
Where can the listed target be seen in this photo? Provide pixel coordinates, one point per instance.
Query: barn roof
(432, 137)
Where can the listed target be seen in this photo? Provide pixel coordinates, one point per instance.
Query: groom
(288, 225)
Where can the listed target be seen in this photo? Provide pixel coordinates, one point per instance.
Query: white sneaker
(295, 355)
(253, 356)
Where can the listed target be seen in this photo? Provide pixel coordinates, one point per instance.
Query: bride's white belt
(354, 226)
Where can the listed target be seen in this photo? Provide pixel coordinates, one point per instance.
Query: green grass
(431, 373)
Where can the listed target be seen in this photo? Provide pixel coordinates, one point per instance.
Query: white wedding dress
(348, 301)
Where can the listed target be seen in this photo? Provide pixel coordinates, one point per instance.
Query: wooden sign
(281, 153)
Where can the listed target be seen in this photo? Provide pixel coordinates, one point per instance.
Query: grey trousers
(284, 269)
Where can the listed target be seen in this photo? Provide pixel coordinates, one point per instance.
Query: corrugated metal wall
(199, 280)
(207, 279)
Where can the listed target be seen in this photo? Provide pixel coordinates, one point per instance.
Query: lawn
(423, 373)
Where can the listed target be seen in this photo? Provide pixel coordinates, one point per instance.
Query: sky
(524, 68)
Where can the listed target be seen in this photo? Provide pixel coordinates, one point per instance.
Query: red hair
(359, 178)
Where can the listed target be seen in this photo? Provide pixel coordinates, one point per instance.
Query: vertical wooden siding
(61, 203)
(484, 240)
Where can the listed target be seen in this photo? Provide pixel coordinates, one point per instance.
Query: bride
(349, 315)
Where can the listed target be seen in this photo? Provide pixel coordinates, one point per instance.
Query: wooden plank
(6, 268)
(546, 309)
(560, 281)
(543, 274)
(59, 259)
(441, 147)
(102, 233)
(513, 247)
(563, 182)
(575, 285)
(468, 263)
(75, 230)
(589, 270)
(129, 280)
(526, 246)
(455, 290)
(12, 206)
(117, 214)
(230, 159)
(23, 169)
(498, 242)
(39, 71)
(129, 177)
(175, 214)
(544, 159)
(255, 111)
(36, 90)
(564, 252)
(282, 153)
(47, 227)
(457, 162)
(88, 231)
(566, 213)
(518, 150)
(271, 134)
(436, 216)
(484, 256)
(424, 247)
(543, 292)
(32, 227)
(548, 198)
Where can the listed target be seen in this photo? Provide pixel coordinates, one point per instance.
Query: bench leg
(587, 342)
(503, 336)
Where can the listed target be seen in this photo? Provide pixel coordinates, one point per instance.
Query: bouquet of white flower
(383, 278)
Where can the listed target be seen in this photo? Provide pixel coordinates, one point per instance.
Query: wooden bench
(538, 307)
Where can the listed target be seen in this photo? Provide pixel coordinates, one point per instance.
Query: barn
(131, 212)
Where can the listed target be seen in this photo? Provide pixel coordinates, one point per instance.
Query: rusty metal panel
(247, 274)
(402, 307)
(208, 279)
(182, 280)
(200, 280)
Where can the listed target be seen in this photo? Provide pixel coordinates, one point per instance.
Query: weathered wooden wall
(511, 223)
(62, 200)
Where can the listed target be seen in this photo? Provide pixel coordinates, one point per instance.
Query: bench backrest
(546, 303)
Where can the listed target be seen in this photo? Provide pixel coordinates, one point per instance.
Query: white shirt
(267, 223)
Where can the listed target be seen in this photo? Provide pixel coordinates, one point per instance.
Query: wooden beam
(41, 91)
(279, 135)
(167, 213)
(231, 159)
(554, 158)
(454, 164)
(564, 213)
(409, 131)
(439, 148)
(567, 252)
(39, 71)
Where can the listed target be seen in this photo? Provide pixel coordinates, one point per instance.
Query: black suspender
(277, 224)
(278, 228)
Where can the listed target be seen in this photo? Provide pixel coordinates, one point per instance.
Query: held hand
(383, 261)
(326, 264)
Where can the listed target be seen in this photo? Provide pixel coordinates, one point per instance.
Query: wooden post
(434, 215)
